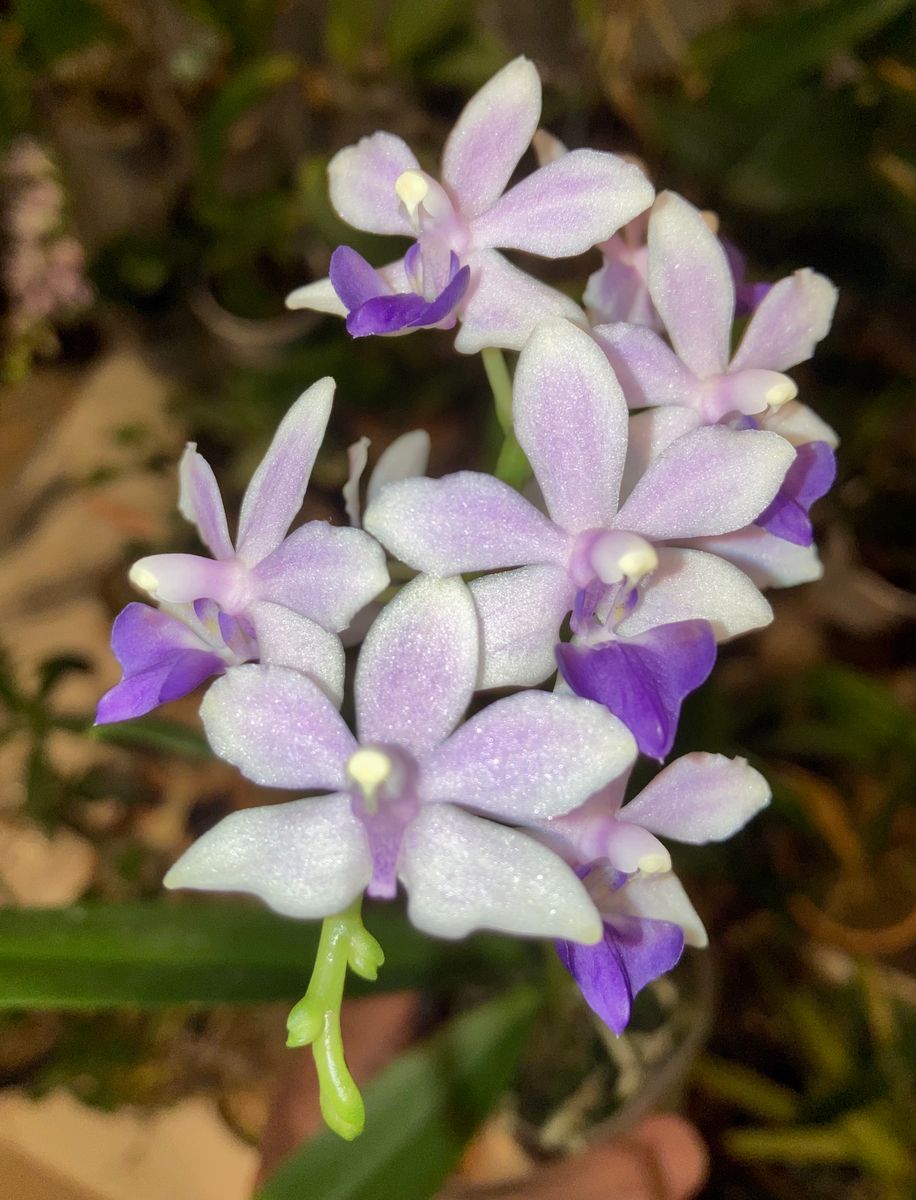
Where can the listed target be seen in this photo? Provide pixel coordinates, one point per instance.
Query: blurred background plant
(164, 187)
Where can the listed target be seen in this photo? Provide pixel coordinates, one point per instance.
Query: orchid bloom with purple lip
(277, 598)
(692, 288)
(454, 271)
(416, 798)
(645, 612)
(627, 871)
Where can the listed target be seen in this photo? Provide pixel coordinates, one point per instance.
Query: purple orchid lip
(809, 478)
(374, 309)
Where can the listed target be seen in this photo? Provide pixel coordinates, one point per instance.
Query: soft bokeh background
(163, 188)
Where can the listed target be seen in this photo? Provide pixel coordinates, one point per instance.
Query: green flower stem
(511, 465)
(315, 1020)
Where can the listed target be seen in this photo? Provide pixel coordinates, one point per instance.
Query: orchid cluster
(665, 484)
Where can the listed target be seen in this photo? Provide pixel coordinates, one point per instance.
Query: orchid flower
(279, 598)
(454, 271)
(412, 798)
(639, 603)
(627, 871)
(405, 457)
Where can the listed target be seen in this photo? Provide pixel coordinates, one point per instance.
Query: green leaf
(154, 733)
(153, 953)
(420, 1112)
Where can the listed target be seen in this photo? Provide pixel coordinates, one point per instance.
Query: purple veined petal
(307, 858)
(631, 954)
(791, 319)
(491, 135)
(768, 561)
(140, 692)
(691, 284)
(354, 280)
(278, 727)
(418, 666)
(809, 477)
(690, 585)
(643, 680)
(405, 458)
(529, 757)
(362, 182)
(200, 503)
(570, 418)
(277, 488)
(286, 639)
(463, 872)
(520, 613)
(710, 481)
(463, 522)
(618, 291)
(181, 578)
(699, 798)
(798, 424)
(143, 637)
(650, 433)
(503, 304)
(648, 371)
(566, 207)
(661, 898)
(324, 572)
(319, 297)
(357, 458)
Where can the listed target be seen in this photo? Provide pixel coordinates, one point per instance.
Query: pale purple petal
(357, 457)
(463, 522)
(278, 727)
(200, 503)
(275, 493)
(491, 135)
(520, 613)
(325, 572)
(405, 458)
(789, 322)
(699, 798)
(354, 280)
(631, 954)
(643, 680)
(362, 179)
(547, 148)
(767, 560)
(503, 304)
(651, 432)
(799, 424)
(418, 666)
(661, 898)
(691, 284)
(710, 481)
(286, 639)
(531, 756)
(570, 418)
(463, 873)
(567, 206)
(308, 858)
(690, 585)
(648, 371)
(809, 477)
(319, 297)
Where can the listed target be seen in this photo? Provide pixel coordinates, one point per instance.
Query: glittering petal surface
(319, 297)
(661, 898)
(200, 503)
(309, 858)
(809, 477)
(789, 322)
(278, 727)
(710, 481)
(277, 487)
(325, 572)
(767, 560)
(491, 135)
(631, 954)
(286, 639)
(566, 207)
(691, 585)
(648, 370)
(405, 458)
(520, 613)
(691, 284)
(530, 756)
(362, 179)
(650, 433)
(418, 666)
(570, 418)
(504, 304)
(699, 798)
(464, 872)
(643, 680)
(464, 522)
